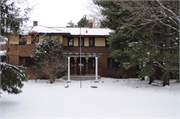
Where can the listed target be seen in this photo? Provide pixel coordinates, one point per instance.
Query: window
(70, 42)
(25, 61)
(91, 42)
(34, 39)
(82, 41)
(115, 64)
(111, 63)
(3, 58)
(72, 62)
(91, 63)
(22, 40)
(107, 45)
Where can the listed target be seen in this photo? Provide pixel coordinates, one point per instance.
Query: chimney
(90, 24)
(35, 23)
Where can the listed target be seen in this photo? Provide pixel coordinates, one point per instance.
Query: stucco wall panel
(99, 41)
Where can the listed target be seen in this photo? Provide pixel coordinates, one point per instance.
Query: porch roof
(83, 54)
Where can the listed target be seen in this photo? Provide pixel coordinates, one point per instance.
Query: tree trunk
(166, 74)
(151, 78)
(51, 81)
(166, 79)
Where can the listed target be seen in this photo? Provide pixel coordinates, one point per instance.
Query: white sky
(57, 12)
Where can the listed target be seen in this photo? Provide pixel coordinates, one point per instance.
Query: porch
(82, 77)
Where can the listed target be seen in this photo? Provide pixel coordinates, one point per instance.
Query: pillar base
(96, 81)
(68, 82)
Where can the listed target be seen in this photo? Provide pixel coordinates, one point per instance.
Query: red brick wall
(16, 51)
(103, 71)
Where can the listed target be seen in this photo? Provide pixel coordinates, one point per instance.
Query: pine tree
(50, 62)
(140, 36)
(83, 22)
(10, 21)
(12, 78)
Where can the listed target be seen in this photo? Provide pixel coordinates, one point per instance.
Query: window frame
(90, 60)
(34, 39)
(93, 42)
(107, 45)
(70, 38)
(82, 45)
(23, 42)
(111, 63)
(25, 61)
(71, 62)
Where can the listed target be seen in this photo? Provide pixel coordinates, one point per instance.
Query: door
(83, 66)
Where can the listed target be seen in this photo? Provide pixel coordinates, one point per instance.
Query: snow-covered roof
(70, 30)
(3, 53)
(85, 30)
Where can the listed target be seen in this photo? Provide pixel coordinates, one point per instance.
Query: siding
(65, 41)
(99, 41)
(14, 40)
(75, 41)
(86, 41)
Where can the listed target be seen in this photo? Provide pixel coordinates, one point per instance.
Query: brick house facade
(93, 44)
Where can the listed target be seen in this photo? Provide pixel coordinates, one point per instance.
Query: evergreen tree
(83, 22)
(140, 36)
(50, 62)
(10, 18)
(71, 24)
(12, 78)
(10, 21)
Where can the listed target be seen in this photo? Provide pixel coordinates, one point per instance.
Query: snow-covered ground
(113, 99)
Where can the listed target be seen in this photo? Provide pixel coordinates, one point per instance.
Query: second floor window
(70, 42)
(22, 40)
(82, 41)
(34, 39)
(107, 45)
(91, 42)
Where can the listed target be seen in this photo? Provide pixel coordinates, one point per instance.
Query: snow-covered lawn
(114, 98)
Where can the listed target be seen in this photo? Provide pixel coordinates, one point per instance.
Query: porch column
(75, 65)
(96, 80)
(68, 81)
(87, 65)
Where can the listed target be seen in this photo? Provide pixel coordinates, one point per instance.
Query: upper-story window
(22, 40)
(107, 45)
(82, 41)
(91, 42)
(70, 42)
(34, 39)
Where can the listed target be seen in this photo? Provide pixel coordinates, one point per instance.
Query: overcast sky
(57, 12)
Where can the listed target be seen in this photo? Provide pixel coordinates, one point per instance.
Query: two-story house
(95, 52)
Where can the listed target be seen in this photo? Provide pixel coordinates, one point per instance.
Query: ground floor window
(25, 61)
(91, 63)
(111, 63)
(72, 62)
(3, 59)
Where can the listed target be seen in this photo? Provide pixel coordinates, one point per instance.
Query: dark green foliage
(71, 24)
(83, 22)
(140, 34)
(50, 61)
(12, 78)
(10, 21)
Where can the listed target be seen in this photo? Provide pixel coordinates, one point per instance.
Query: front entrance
(83, 66)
